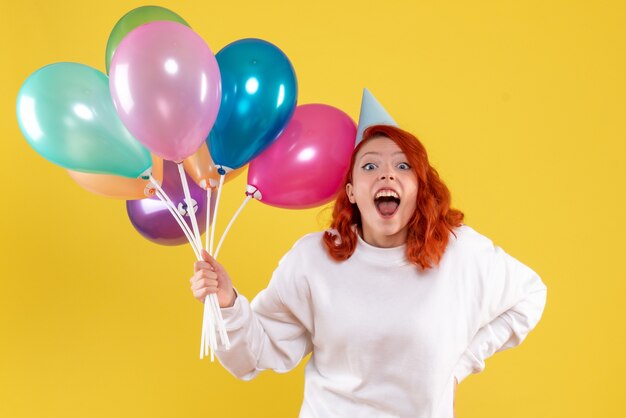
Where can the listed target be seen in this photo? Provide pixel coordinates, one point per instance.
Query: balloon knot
(221, 171)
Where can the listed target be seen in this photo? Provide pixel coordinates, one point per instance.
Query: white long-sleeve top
(387, 340)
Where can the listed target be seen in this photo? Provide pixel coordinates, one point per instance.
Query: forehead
(379, 145)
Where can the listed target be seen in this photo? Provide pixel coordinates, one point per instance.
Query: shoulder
(310, 242)
(477, 250)
(466, 235)
(311, 239)
(307, 247)
(466, 240)
(307, 255)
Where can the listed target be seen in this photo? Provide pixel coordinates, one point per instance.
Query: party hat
(372, 113)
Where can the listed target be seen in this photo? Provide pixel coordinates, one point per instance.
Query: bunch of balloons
(172, 122)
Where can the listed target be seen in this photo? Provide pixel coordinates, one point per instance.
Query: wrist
(233, 298)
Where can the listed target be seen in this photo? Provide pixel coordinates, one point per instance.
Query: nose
(387, 174)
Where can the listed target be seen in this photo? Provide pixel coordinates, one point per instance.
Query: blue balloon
(259, 95)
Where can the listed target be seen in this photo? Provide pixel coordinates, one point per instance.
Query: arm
(263, 335)
(512, 300)
(272, 332)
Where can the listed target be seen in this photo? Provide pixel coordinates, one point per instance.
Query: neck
(383, 241)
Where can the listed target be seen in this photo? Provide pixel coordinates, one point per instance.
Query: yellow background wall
(521, 105)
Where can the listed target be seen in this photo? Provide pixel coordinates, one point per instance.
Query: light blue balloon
(259, 95)
(66, 113)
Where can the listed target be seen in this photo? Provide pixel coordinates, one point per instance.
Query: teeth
(387, 193)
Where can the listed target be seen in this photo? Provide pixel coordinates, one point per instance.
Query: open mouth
(387, 202)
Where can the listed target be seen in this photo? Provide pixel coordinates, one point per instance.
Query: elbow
(538, 298)
(524, 316)
(248, 376)
(529, 309)
(245, 375)
(241, 365)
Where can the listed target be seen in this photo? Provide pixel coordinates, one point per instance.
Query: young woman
(396, 304)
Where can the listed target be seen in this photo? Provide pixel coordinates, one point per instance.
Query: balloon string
(208, 342)
(216, 308)
(211, 313)
(246, 200)
(213, 305)
(217, 204)
(213, 325)
(212, 300)
(222, 327)
(212, 310)
(208, 339)
(208, 218)
(190, 209)
(180, 223)
(212, 336)
(168, 202)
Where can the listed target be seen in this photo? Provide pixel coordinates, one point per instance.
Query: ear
(350, 193)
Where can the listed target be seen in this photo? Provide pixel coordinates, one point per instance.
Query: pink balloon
(305, 166)
(166, 86)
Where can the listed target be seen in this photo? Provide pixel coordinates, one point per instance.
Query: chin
(391, 233)
(391, 226)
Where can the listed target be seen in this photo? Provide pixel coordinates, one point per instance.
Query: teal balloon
(66, 113)
(259, 95)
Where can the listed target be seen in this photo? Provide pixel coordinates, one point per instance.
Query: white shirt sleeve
(270, 333)
(512, 298)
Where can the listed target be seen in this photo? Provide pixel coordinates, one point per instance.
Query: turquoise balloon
(66, 113)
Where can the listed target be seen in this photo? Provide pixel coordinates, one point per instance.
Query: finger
(204, 283)
(202, 265)
(202, 275)
(202, 280)
(213, 262)
(196, 277)
(204, 292)
(200, 294)
(205, 254)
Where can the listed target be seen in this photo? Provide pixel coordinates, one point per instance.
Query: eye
(404, 166)
(369, 166)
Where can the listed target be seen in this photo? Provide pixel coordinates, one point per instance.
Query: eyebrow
(378, 153)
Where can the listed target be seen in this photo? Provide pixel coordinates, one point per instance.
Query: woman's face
(384, 188)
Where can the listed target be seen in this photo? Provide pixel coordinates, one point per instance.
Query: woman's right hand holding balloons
(211, 277)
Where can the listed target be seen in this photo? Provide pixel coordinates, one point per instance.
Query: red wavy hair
(433, 220)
